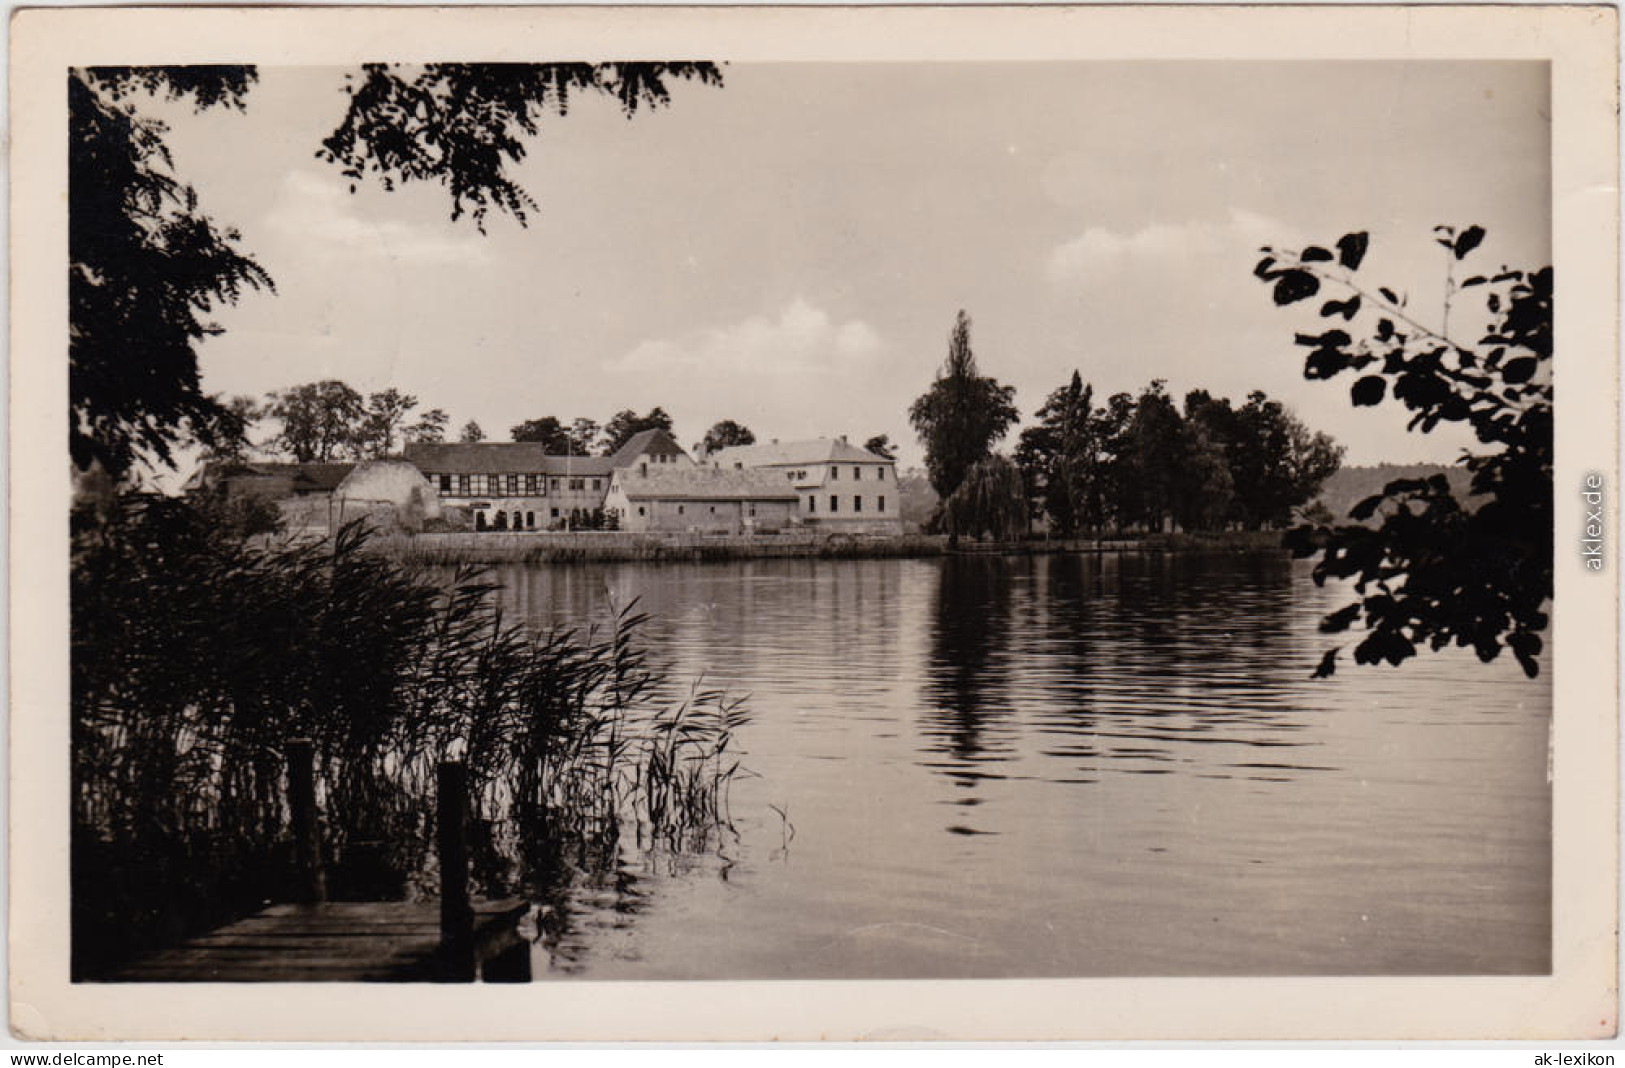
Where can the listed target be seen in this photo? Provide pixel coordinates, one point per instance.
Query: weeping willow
(991, 501)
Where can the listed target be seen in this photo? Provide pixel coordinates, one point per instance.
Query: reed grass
(198, 654)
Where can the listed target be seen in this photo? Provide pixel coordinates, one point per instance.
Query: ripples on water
(1066, 765)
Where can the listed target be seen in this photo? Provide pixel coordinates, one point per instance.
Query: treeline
(1134, 463)
(330, 421)
(1351, 485)
(1145, 462)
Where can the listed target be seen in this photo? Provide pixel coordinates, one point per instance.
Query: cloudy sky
(790, 250)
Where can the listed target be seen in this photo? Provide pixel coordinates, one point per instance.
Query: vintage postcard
(971, 523)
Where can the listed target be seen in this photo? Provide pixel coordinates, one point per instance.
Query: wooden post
(311, 886)
(456, 912)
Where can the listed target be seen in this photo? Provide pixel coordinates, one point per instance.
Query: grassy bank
(585, 547)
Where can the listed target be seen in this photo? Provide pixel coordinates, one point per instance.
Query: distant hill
(1351, 485)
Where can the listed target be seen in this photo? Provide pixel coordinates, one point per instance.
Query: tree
(1155, 451)
(546, 431)
(627, 423)
(321, 421)
(726, 435)
(1204, 492)
(1060, 459)
(145, 269)
(386, 415)
(430, 428)
(990, 500)
(962, 415)
(1277, 463)
(471, 433)
(881, 446)
(586, 436)
(1120, 482)
(231, 444)
(461, 124)
(146, 266)
(1435, 570)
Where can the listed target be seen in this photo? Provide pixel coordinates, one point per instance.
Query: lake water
(1068, 766)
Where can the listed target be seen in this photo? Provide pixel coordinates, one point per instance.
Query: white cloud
(321, 211)
(800, 338)
(1101, 253)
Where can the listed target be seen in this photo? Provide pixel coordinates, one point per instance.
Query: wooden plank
(337, 942)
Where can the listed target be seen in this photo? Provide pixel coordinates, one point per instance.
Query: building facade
(520, 486)
(839, 487)
(701, 500)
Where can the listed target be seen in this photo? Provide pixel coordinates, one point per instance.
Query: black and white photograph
(563, 521)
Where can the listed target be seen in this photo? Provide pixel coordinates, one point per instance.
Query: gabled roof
(654, 442)
(502, 458)
(779, 453)
(706, 483)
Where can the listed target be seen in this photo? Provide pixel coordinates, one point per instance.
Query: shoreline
(592, 547)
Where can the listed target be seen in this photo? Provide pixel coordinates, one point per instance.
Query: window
(880, 473)
(555, 485)
(597, 483)
(578, 484)
(834, 473)
(462, 486)
(555, 513)
(753, 511)
(857, 504)
(713, 509)
(812, 505)
(530, 520)
(445, 483)
(478, 482)
(643, 469)
(880, 506)
(640, 509)
(834, 503)
(857, 474)
(516, 520)
(791, 475)
(495, 482)
(679, 509)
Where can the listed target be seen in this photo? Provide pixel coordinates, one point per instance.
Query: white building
(840, 488)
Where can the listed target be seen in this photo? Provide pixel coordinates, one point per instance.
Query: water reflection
(1060, 765)
(966, 723)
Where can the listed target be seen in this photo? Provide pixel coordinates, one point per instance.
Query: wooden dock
(344, 941)
(451, 940)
